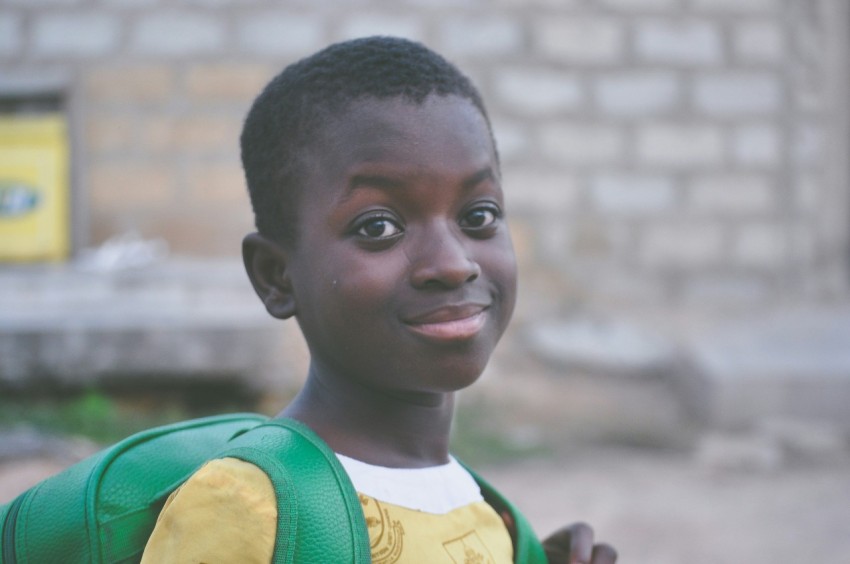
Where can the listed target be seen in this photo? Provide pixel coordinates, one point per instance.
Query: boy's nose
(443, 261)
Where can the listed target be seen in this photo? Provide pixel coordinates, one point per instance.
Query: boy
(375, 184)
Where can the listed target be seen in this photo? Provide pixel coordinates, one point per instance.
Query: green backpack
(103, 509)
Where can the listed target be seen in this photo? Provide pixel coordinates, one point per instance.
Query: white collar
(436, 489)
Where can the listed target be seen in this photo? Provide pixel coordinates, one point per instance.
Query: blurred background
(678, 369)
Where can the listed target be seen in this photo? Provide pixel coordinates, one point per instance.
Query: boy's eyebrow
(485, 173)
(387, 183)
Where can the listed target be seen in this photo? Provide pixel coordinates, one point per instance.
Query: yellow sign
(34, 200)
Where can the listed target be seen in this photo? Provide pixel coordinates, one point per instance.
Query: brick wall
(654, 150)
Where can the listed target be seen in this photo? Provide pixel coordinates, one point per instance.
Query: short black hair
(284, 117)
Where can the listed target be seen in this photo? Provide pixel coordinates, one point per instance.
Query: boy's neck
(377, 427)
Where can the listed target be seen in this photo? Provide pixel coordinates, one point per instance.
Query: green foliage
(92, 414)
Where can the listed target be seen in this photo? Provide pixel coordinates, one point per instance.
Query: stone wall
(654, 151)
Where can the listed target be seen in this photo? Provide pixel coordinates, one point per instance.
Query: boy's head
(281, 127)
(378, 155)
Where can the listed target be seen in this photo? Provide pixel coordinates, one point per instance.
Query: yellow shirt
(227, 512)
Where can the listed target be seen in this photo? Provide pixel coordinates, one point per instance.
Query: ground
(670, 509)
(656, 507)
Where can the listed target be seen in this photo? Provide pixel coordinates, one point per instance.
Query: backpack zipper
(9, 530)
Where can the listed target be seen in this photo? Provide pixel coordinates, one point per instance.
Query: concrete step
(176, 318)
(791, 364)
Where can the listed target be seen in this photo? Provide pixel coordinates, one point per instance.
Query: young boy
(375, 184)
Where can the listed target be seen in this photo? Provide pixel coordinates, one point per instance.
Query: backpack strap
(527, 548)
(319, 514)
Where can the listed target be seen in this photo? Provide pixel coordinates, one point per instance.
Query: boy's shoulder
(206, 518)
(278, 479)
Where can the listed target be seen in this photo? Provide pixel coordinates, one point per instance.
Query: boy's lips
(450, 323)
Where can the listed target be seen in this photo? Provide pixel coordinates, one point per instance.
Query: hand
(574, 545)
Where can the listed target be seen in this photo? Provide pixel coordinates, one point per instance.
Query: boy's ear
(265, 263)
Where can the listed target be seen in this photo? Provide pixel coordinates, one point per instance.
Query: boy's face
(403, 274)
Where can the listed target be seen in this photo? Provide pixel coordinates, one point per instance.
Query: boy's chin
(458, 380)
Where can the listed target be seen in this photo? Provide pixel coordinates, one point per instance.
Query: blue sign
(17, 198)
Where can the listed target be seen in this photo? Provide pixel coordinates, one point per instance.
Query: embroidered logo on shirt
(386, 536)
(468, 549)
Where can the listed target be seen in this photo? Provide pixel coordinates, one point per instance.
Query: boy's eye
(379, 228)
(478, 218)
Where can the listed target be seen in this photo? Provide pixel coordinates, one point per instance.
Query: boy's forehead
(366, 125)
